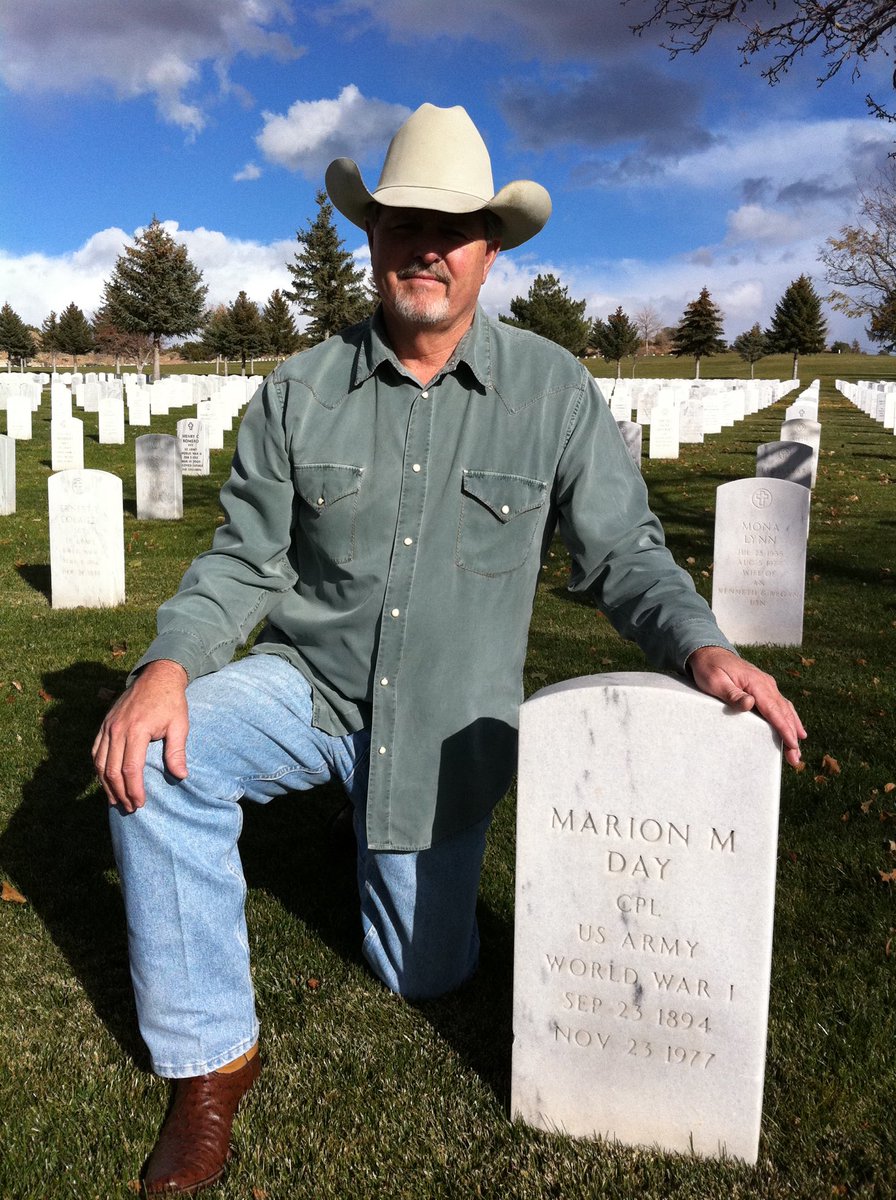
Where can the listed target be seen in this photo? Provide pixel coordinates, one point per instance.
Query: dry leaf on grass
(11, 894)
(830, 765)
(888, 876)
(45, 696)
(889, 787)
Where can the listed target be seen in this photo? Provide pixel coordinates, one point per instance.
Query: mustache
(417, 269)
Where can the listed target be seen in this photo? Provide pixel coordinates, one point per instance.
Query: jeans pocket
(329, 492)
(499, 515)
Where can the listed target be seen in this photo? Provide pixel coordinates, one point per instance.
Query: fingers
(739, 683)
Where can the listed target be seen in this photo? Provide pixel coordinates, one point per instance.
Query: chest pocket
(327, 516)
(499, 516)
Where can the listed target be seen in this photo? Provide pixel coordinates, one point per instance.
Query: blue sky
(219, 117)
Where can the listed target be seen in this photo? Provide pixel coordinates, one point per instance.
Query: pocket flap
(321, 484)
(506, 496)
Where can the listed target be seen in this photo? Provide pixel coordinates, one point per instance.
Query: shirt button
(505, 509)
(415, 467)
(409, 541)
(384, 681)
(382, 750)
(396, 612)
(320, 500)
(425, 395)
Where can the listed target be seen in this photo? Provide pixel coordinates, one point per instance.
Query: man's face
(429, 266)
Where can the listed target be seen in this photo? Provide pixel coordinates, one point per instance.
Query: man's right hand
(153, 708)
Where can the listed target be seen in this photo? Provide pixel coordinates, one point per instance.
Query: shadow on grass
(37, 576)
(56, 847)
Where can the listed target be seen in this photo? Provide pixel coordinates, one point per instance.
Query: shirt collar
(473, 351)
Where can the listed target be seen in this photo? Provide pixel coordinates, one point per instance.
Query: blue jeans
(251, 738)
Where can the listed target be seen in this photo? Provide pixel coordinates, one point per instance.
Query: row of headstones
(876, 400)
(643, 939)
(687, 413)
(761, 535)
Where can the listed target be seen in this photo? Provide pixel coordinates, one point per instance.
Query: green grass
(363, 1094)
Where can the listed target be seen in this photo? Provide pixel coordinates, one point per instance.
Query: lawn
(362, 1094)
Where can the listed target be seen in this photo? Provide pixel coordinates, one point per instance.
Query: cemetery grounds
(364, 1094)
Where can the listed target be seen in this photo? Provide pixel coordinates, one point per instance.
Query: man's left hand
(737, 682)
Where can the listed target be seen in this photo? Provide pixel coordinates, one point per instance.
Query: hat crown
(439, 148)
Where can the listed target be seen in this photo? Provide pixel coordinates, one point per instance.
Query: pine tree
(280, 328)
(883, 324)
(616, 338)
(247, 331)
(751, 346)
(549, 311)
(327, 286)
(49, 344)
(699, 332)
(797, 324)
(218, 334)
(109, 338)
(74, 333)
(155, 289)
(15, 337)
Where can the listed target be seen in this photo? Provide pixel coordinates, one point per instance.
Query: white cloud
(313, 132)
(36, 284)
(249, 171)
(150, 49)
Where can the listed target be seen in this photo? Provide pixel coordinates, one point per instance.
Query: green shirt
(390, 536)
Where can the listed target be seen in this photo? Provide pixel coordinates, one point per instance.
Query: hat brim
(523, 206)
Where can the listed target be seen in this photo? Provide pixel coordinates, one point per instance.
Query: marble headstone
(66, 444)
(799, 429)
(644, 900)
(632, 435)
(785, 460)
(159, 482)
(192, 437)
(7, 475)
(759, 569)
(86, 539)
(664, 431)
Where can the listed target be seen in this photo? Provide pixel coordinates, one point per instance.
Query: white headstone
(644, 902)
(801, 430)
(192, 437)
(632, 435)
(7, 475)
(111, 421)
(86, 539)
(759, 561)
(66, 444)
(664, 431)
(18, 417)
(159, 482)
(785, 460)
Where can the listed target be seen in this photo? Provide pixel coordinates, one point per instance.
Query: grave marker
(785, 460)
(159, 483)
(86, 539)
(7, 475)
(644, 903)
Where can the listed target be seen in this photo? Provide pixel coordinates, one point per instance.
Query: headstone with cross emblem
(759, 571)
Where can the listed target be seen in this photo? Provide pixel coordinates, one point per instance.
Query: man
(392, 493)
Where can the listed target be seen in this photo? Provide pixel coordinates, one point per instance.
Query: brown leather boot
(194, 1142)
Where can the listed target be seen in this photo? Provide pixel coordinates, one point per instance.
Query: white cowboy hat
(438, 160)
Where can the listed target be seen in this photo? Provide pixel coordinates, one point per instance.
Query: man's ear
(492, 249)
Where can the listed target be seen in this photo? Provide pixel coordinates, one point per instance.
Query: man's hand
(731, 679)
(153, 708)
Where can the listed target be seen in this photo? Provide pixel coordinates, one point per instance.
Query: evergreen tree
(248, 336)
(110, 339)
(218, 334)
(74, 333)
(548, 310)
(327, 287)
(15, 337)
(797, 324)
(699, 332)
(883, 324)
(49, 344)
(616, 338)
(751, 346)
(155, 289)
(280, 328)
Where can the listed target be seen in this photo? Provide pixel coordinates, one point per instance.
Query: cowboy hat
(438, 160)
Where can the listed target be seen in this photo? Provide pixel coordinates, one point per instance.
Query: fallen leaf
(795, 674)
(807, 662)
(17, 685)
(861, 662)
(259, 1194)
(866, 805)
(12, 895)
(888, 876)
(800, 766)
(830, 765)
(690, 560)
(313, 984)
(134, 1185)
(890, 787)
(45, 695)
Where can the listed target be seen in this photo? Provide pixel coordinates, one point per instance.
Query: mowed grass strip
(363, 1094)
